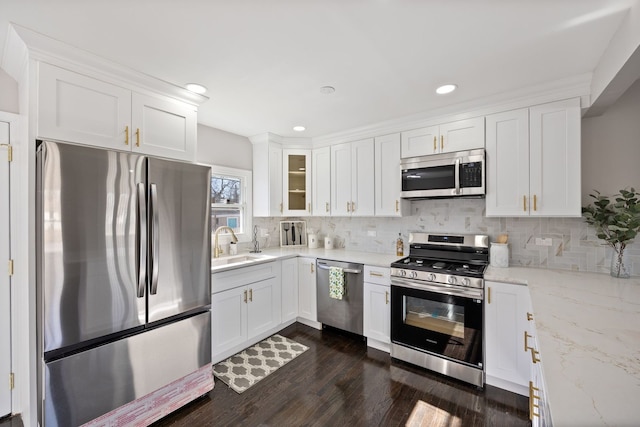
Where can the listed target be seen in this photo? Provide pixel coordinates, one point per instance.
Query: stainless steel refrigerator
(123, 277)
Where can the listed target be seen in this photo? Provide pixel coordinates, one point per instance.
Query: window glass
(231, 200)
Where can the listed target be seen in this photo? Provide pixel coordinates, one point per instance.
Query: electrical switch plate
(372, 233)
(544, 241)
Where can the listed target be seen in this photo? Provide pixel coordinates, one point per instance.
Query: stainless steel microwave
(460, 173)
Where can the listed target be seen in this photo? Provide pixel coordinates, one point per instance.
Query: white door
(388, 176)
(341, 179)
(228, 321)
(289, 289)
(362, 182)
(321, 181)
(377, 312)
(462, 135)
(420, 142)
(5, 293)
(307, 289)
(264, 306)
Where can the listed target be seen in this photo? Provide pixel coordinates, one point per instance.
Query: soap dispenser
(399, 246)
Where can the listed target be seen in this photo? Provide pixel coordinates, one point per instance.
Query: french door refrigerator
(123, 277)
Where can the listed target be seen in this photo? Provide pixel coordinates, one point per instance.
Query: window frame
(246, 203)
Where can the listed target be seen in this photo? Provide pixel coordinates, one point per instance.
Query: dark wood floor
(339, 381)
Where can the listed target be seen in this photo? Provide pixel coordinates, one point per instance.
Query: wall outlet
(372, 233)
(544, 241)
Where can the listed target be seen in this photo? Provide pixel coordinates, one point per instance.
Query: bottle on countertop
(399, 245)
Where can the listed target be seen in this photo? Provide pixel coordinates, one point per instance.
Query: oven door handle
(444, 289)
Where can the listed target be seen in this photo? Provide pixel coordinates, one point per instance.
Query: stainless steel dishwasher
(345, 314)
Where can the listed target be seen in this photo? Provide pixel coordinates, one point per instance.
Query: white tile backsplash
(574, 244)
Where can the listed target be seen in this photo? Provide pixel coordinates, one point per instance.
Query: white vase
(620, 262)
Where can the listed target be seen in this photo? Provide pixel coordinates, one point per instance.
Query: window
(231, 200)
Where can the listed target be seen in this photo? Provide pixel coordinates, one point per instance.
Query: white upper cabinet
(460, 135)
(321, 181)
(267, 178)
(296, 180)
(388, 177)
(77, 108)
(352, 186)
(533, 161)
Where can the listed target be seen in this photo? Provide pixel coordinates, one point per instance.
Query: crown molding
(24, 44)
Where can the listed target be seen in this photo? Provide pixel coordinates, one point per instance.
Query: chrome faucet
(217, 250)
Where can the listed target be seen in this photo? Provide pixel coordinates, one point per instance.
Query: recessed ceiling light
(299, 128)
(327, 89)
(195, 87)
(444, 89)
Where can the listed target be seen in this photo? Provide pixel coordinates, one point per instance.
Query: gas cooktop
(441, 266)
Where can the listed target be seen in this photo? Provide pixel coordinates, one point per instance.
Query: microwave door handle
(457, 175)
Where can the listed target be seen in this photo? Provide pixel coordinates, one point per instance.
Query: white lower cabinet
(539, 413)
(289, 290)
(377, 308)
(507, 363)
(307, 299)
(245, 307)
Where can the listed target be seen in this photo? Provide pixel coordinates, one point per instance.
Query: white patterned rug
(246, 368)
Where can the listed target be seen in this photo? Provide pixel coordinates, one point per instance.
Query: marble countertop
(588, 328)
(273, 253)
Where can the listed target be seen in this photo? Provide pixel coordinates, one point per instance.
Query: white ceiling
(264, 61)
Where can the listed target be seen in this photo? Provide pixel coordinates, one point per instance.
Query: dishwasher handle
(346, 270)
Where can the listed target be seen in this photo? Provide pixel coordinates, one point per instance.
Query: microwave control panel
(471, 175)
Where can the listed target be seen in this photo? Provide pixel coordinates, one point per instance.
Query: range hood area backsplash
(574, 244)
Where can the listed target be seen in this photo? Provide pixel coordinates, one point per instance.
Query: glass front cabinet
(296, 182)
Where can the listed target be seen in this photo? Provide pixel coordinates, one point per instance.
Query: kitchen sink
(237, 260)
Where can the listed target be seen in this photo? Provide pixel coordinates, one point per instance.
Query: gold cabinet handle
(348, 207)
(280, 207)
(245, 296)
(353, 207)
(529, 316)
(386, 297)
(442, 142)
(250, 295)
(535, 202)
(435, 143)
(137, 137)
(489, 295)
(9, 151)
(532, 405)
(311, 268)
(309, 207)
(524, 203)
(375, 274)
(534, 355)
(126, 135)
(526, 341)
(326, 207)
(397, 205)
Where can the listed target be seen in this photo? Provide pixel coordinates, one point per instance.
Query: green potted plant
(617, 222)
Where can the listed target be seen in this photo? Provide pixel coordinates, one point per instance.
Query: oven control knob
(466, 281)
(432, 277)
(403, 273)
(414, 274)
(452, 280)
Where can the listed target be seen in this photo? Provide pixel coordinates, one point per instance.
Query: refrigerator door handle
(141, 237)
(155, 244)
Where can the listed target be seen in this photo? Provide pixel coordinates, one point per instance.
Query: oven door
(439, 319)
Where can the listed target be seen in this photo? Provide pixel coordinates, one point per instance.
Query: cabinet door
(420, 142)
(555, 159)
(388, 177)
(264, 306)
(507, 364)
(377, 312)
(321, 181)
(362, 183)
(307, 289)
(341, 179)
(228, 320)
(76, 108)
(163, 127)
(507, 160)
(296, 181)
(462, 135)
(289, 289)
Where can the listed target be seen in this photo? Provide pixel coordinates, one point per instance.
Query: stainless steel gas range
(437, 295)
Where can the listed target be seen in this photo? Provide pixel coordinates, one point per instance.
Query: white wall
(8, 93)
(611, 147)
(217, 147)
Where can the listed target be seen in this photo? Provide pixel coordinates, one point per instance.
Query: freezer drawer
(86, 385)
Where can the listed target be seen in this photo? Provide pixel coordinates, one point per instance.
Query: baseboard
(311, 323)
(507, 385)
(379, 345)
